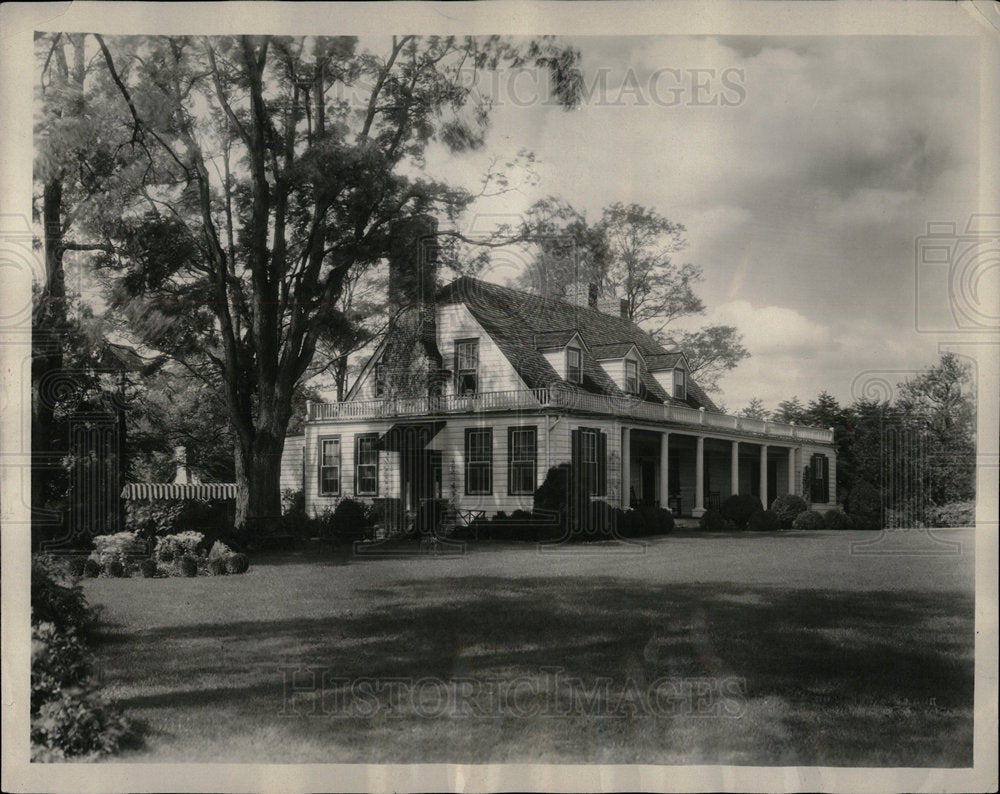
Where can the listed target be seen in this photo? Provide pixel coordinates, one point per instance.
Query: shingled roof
(517, 320)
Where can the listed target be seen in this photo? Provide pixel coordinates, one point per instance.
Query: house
(479, 389)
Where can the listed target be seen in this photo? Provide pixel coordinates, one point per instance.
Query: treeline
(913, 450)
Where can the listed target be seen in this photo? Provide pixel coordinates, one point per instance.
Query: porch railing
(563, 398)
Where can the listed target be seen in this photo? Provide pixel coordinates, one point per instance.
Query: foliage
(429, 516)
(837, 519)
(351, 520)
(217, 566)
(739, 507)
(56, 597)
(219, 550)
(790, 411)
(238, 563)
(629, 255)
(754, 410)
(554, 493)
(91, 568)
(116, 568)
(75, 565)
(764, 521)
(808, 519)
(646, 520)
(171, 547)
(786, 507)
(712, 520)
(956, 514)
(864, 505)
(114, 547)
(189, 565)
(148, 568)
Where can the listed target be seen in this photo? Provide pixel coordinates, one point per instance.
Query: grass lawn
(794, 648)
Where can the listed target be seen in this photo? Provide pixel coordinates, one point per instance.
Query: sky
(804, 169)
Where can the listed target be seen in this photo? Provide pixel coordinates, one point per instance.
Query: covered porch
(689, 473)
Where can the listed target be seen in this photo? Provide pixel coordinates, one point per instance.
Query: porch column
(763, 475)
(734, 468)
(699, 479)
(626, 466)
(791, 470)
(664, 469)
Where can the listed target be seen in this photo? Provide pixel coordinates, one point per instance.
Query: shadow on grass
(854, 673)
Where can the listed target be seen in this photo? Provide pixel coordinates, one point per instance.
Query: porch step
(685, 522)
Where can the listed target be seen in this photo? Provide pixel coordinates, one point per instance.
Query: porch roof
(202, 492)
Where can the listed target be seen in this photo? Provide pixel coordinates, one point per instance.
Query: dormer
(564, 351)
(671, 372)
(623, 362)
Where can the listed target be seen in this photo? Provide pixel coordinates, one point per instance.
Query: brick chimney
(182, 476)
(413, 265)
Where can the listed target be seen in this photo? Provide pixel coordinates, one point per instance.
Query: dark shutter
(576, 450)
(510, 460)
(455, 374)
(820, 467)
(602, 464)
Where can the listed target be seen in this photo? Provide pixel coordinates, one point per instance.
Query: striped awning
(203, 491)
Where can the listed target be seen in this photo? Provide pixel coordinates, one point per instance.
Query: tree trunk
(258, 477)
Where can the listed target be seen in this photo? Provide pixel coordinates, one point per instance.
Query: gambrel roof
(517, 320)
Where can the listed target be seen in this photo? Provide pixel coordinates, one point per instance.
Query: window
(522, 461)
(574, 370)
(379, 379)
(478, 460)
(820, 485)
(590, 455)
(680, 384)
(631, 376)
(329, 466)
(366, 464)
(467, 366)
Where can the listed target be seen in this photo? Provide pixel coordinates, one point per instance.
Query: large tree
(629, 254)
(269, 170)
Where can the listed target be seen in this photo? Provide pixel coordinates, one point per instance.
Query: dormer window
(680, 384)
(574, 366)
(467, 366)
(631, 376)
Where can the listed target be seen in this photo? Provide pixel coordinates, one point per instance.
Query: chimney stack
(180, 459)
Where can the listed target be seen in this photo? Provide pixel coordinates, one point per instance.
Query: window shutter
(510, 460)
(825, 486)
(576, 449)
(455, 375)
(602, 464)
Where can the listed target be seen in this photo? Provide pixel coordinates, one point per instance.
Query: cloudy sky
(804, 169)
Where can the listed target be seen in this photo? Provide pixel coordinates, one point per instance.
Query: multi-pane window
(379, 379)
(329, 466)
(680, 384)
(574, 369)
(366, 464)
(478, 460)
(631, 376)
(467, 366)
(523, 444)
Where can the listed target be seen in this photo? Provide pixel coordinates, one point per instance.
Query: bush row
(174, 555)
(742, 512)
(597, 521)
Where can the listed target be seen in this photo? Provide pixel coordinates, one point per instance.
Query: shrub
(597, 521)
(738, 508)
(148, 568)
(218, 551)
(116, 568)
(837, 519)
(217, 566)
(151, 519)
(189, 565)
(350, 521)
(956, 514)
(808, 519)
(764, 521)
(78, 723)
(633, 524)
(75, 566)
(91, 568)
(658, 520)
(58, 659)
(553, 493)
(786, 507)
(238, 563)
(864, 505)
(712, 520)
(172, 547)
(56, 596)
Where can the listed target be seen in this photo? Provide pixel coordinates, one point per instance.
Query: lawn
(797, 648)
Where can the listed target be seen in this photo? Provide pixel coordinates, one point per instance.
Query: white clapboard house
(477, 391)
